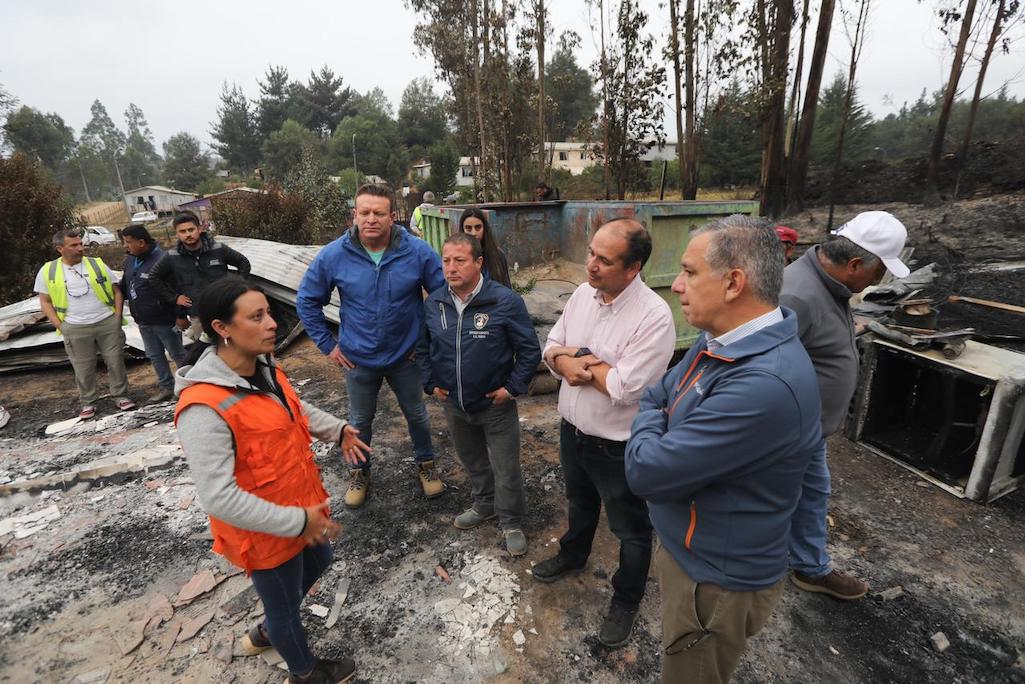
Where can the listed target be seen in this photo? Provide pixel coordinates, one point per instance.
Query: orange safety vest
(273, 461)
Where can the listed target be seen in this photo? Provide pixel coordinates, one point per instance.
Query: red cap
(787, 234)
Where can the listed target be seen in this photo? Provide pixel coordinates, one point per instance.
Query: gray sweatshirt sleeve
(210, 450)
(323, 425)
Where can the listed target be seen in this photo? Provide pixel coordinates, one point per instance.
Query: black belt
(592, 439)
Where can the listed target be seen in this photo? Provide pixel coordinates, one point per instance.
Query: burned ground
(76, 591)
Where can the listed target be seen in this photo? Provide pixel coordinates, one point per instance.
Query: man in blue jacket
(478, 353)
(719, 447)
(380, 272)
(152, 307)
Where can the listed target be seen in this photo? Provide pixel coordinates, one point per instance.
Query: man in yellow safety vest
(80, 298)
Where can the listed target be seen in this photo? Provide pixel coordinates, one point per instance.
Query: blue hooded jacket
(492, 345)
(718, 450)
(382, 304)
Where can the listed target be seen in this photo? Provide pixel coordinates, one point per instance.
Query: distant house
(158, 198)
(420, 170)
(203, 205)
(659, 153)
(464, 177)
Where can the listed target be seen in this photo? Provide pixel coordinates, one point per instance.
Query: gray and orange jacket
(718, 450)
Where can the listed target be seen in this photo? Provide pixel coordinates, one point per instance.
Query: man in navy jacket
(380, 272)
(719, 447)
(152, 307)
(477, 354)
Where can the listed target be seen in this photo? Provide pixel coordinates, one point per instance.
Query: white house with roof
(158, 198)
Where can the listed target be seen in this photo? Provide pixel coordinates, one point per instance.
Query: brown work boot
(429, 480)
(834, 583)
(359, 483)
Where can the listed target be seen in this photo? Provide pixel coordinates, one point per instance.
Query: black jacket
(187, 273)
(149, 302)
(492, 345)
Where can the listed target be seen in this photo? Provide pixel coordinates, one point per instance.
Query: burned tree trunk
(806, 126)
(932, 180)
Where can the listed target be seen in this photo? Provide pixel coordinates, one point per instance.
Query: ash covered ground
(80, 592)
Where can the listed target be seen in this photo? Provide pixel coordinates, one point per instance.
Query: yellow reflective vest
(96, 272)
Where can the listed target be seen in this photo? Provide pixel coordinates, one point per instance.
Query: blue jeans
(363, 385)
(157, 338)
(808, 554)
(282, 590)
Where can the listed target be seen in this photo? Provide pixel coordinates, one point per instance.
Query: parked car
(144, 217)
(97, 235)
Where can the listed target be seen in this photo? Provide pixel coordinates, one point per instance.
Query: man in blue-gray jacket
(380, 272)
(478, 353)
(719, 447)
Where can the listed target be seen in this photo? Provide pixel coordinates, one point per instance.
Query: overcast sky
(171, 58)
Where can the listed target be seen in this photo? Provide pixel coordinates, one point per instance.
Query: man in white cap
(817, 287)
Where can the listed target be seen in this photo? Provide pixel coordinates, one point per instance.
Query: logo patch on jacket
(480, 320)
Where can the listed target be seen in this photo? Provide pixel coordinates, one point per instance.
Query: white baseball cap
(882, 234)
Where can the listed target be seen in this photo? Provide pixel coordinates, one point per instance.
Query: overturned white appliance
(956, 422)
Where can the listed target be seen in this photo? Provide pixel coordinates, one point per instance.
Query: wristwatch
(583, 351)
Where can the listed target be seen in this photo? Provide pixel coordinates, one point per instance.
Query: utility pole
(84, 184)
(124, 197)
(355, 168)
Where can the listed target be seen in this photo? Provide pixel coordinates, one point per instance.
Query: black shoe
(618, 626)
(554, 568)
(327, 672)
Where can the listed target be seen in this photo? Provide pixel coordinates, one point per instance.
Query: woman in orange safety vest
(246, 435)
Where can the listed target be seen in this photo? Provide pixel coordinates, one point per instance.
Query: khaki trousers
(705, 628)
(82, 342)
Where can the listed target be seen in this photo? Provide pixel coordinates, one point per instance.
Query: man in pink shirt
(614, 338)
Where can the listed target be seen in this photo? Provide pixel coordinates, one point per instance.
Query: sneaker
(554, 568)
(470, 518)
(161, 395)
(432, 485)
(87, 412)
(618, 626)
(5, 417)
(515, 542)
(255, 641)
(326, 672)
(124, 404)
(834, 583)
(359, 482)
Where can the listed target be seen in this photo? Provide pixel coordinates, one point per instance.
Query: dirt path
(73, 591)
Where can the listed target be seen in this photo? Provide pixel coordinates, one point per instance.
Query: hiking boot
(554, 568)
(359, 483)
(326, 672)
(255, 641)
(161, 395)
(470, 518)
(515, 542)
(618, 626)
(834, 583)
(432, 485)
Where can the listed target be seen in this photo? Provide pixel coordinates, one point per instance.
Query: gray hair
(428, 196)
(840, 250)
(58, 237)
(750, 244)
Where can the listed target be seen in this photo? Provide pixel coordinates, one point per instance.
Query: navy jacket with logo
(149, 305)
(492, 345)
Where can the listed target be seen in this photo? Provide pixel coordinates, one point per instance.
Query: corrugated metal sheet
(280, 268)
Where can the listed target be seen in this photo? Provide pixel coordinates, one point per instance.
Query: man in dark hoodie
(195, 262)
(718, 449)
(478, 353)
(152, 307)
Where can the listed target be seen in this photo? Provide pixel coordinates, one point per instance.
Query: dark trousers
(488, 445)
(282, 590)
(594, 473)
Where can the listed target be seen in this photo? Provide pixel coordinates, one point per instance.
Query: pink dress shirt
(635, 334)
